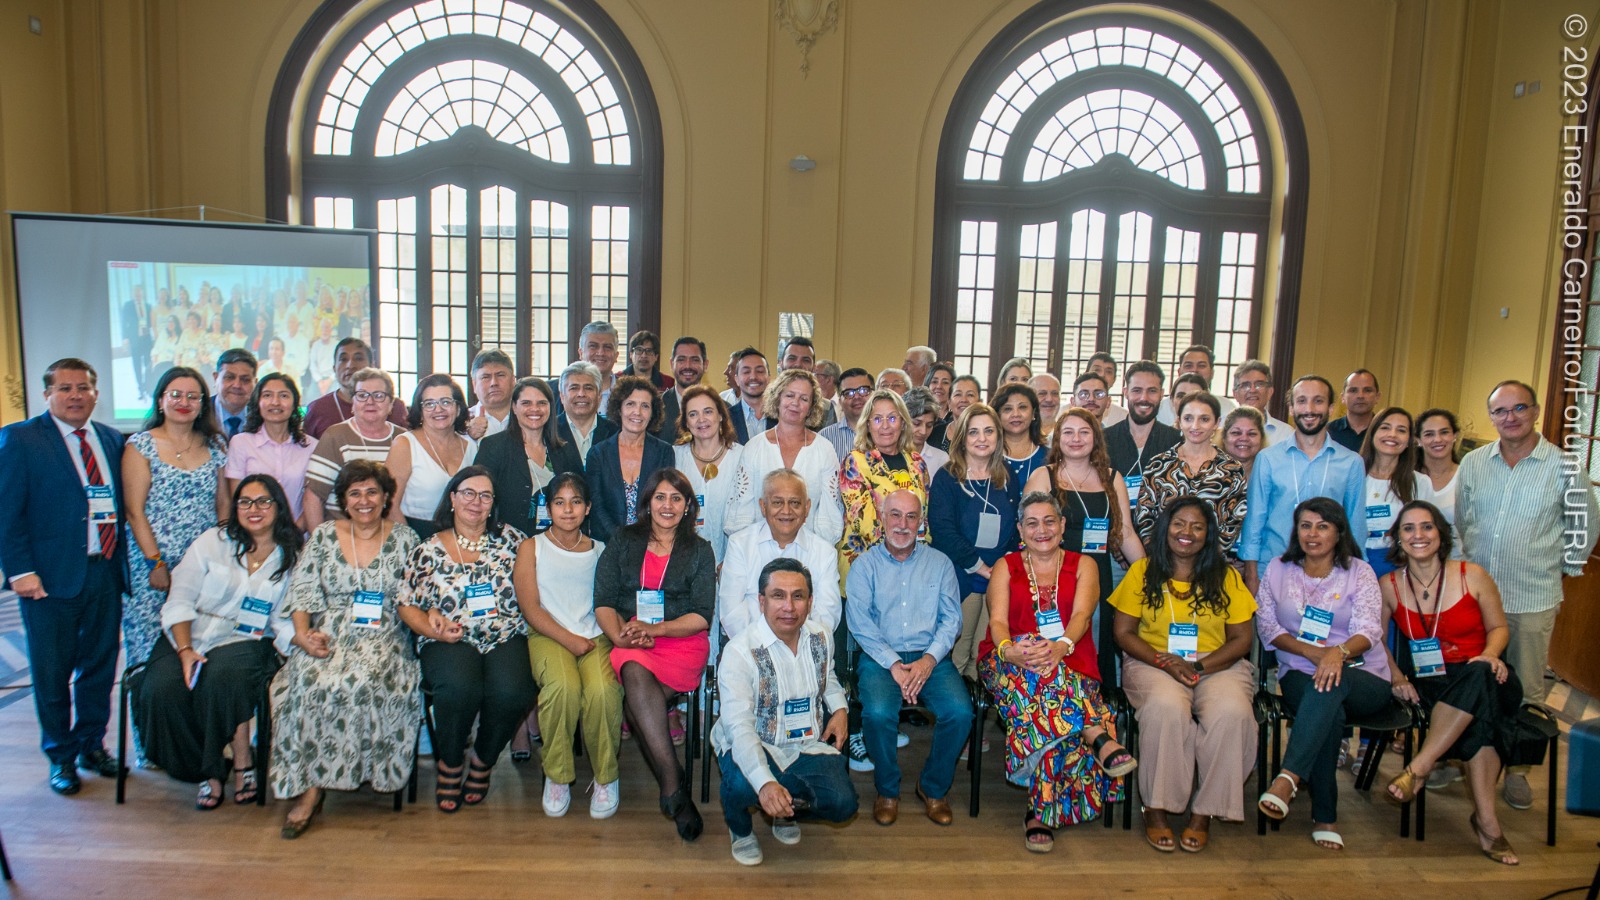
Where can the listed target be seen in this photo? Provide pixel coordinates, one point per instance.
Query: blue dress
(182, 504)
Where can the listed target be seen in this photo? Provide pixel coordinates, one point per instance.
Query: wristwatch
(1199, 665)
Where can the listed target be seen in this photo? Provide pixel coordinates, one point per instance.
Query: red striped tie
(108, 530)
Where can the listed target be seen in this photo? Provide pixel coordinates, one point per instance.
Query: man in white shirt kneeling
(783, 720)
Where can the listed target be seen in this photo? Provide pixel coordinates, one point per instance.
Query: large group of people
(823, 547)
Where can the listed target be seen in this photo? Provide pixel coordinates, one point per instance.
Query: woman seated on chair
(346, 703)
(1319, 607)
(461, 597)
(1449, 614)
(1038, 660)
(654, 595)
(572, 657)
(1184, 624)
(222, 614)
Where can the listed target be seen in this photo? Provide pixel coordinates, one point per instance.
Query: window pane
(975, 283)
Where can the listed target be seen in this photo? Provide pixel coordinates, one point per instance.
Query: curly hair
(776, 387)
(626, 386)
(1210, 577)
(1099, 460)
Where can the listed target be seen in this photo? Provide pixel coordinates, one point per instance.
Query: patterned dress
(182, 504)
(352, 716)
(865, 481)
(1221, 480)
(1045, 716)
(433, 578)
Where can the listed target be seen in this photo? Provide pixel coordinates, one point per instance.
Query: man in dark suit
(688, 362)
(580, 401)
(750, 381)
(137, 338)
(60, 516)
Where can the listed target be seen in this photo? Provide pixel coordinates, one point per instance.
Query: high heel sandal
(447, 791)
(1499, 849)
(476, 788)
(246, 789)
(1409, 783)
(208, 798)
(1031, 831)
(681, 809)
(1276, 807)
(292, 829)
(1116, 764)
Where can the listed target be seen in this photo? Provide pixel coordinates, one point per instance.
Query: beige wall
(1431, 190)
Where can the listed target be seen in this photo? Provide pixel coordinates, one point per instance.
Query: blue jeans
(818, 779)
(1319, 717)
(945, 695)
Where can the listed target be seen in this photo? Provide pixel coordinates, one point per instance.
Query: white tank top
(428, 479)
(566, 585)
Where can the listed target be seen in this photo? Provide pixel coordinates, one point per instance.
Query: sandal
(1499, 849)
(245, 788)
(1118, 762)
(293, 829)
(208, 797)
(1159, 837)
(447, 792)
(476, 788)
(1408, 783)
(1193, 839)
(1031, 831)
(1325, 836)
(676, 729)
(1275, 807)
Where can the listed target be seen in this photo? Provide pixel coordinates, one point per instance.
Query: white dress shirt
(209, 588)
(495, 425)
(817, 465)
(93, 440)
(748, 704)
(739, 605)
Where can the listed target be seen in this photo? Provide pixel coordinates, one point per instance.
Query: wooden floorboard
(158, 846)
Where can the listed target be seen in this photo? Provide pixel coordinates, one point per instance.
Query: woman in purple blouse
(1320, 607)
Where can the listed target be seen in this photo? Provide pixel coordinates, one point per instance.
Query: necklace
(472, 545)
(1181, 595)
(188, 445)
(1426, 585)
(551, 533)
(708, 467)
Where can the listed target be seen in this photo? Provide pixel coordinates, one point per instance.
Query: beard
(1322, 422)
(1135, 418)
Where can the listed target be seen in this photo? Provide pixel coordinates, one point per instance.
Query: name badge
(1377, 512)
(102, 504)
(366, 609)
(1049, 621)
(700, 506)
(797, 721)
(1183, 639)
(1315, 625)
(650, 607)
(539, 511)
(1427, 659)
(480, 601)
(988, 531)
(1134, 482)
(252, 617)
(1096, 532)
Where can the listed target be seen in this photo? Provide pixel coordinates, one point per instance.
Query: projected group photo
(187, 314)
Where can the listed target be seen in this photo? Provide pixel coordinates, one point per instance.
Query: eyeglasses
(472, 496)
(886, 420)
(380, 396)
(440, 403)
(856, 391)
(1252, 386)
(190, 396)
(262, 503)
(1092, 395)
(1504, 412)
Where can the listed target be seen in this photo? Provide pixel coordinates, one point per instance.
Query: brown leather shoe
(885, 810)
(938, 810)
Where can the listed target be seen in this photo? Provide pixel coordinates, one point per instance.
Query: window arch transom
(1133, 124)
(443, 99)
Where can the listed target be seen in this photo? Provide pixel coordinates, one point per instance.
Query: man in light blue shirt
(904, 610)
(1293, 471)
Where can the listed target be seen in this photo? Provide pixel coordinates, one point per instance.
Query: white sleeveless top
(428, 479)
(566, 585)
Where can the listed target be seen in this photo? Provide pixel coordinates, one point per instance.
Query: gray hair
(780, 473)
(828, 366)
(919, 402)
(925, 354)
(598, 327)
(580, 368)
(892, 370)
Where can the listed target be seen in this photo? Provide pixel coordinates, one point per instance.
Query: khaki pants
(974, 625)
(1209, 729)
(1528, 651)
(577, 691)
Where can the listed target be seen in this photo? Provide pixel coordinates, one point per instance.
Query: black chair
(1534, 718)
(980, 710)
(701, 721)
(263, 735)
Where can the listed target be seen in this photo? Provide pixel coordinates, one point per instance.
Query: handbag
(1528, 736)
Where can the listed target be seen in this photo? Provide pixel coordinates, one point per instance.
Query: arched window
(1106, 182)
(507, 152)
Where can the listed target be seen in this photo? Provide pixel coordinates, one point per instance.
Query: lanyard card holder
(480, 600)
(366, 609)
(1427, 659)
(1183, 639)
(252, 617)
(650, 607)
(797, 720)
(102, 504)
(1315, 624)
(1049, 622)
(1096, 532)
(539, 511)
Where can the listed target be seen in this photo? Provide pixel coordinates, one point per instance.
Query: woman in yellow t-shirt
(1184, 622)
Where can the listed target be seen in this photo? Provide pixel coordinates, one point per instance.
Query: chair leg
(5, 865)
(703, 726)
(1261, 775)
(122, 739)
(1550, 806)
(1594, 886)
(263, 746)
(416, 765)
(975, 757)
(1130, 783)
(1411, 748)
(1277, 759)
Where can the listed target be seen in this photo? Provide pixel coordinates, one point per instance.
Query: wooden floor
(157, 845)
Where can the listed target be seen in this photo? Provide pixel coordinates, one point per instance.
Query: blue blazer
(44, 512)
(603, 471)
(740, 431)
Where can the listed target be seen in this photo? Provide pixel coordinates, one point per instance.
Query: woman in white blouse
(424, 459)
(222, 616)
(793, 399)
(1438, 460)
(708, 454)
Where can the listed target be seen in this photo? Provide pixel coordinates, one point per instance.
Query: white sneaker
(857, 750)
(557, 797)
(603, 804)
(787, 831)
(901, 739)
(746, 850)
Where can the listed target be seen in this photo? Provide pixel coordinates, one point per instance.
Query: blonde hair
(775, 389)
(957, 433)
(864, 441)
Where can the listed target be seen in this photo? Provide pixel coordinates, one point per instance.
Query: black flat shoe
(64, 779)
(684, 815)
(99, 762)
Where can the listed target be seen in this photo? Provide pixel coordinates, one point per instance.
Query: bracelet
(1344, 652)
(1000, 648)
(185, 647)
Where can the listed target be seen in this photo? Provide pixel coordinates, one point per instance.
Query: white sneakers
(557, 797)
(603, 802)
(787, 831)
(746, 850)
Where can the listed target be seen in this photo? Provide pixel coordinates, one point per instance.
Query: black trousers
(68, 635)
(495, 689)
(185, 732)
